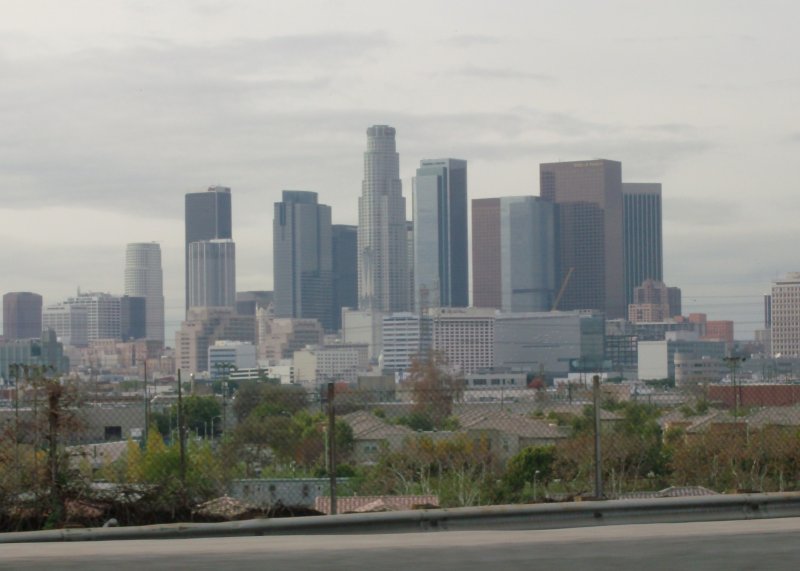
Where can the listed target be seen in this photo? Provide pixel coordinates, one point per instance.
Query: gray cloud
(500, 73)
(468, 40)
(702, 212)
(111, 129)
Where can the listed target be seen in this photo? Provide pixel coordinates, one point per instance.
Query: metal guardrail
(510, 517)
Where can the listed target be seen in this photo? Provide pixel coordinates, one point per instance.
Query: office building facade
(344, 247)
(464, 336)
(144, 278)
(553, 342)
(383, 284)
(405, 337)
(642, 235)
(22, 315)
(212, 273)
(103, 314)
(303, 258)
(513, 248)
(590, 232)
(133, 318)
(440, 263)
(203, 327)
(69, 322)
(785, 316)
(653, 301)
(207, 217)
(43, 351)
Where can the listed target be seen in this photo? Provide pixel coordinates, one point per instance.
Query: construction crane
(563, 288)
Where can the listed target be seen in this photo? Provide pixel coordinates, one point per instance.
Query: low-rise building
(319, 364)
(225, 356)
(657, 358)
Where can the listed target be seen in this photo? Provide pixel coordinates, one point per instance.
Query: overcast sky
(111, 110)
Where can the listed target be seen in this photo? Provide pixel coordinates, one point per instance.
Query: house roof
(577, 410)
(775, 416)
(367, 426)
(516, 424)
(695, 422)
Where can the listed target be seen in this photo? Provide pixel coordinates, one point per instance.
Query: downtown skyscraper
(212, 274)
(207, 217)
(642, 236)
(441, 266)
(22, 315)
(513, 253)
(383, 284)
(344, 242)
(144, 278)
(588, 196)
(302, 258)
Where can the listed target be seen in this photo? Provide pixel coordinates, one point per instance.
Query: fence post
(598, 459)
(332, 444)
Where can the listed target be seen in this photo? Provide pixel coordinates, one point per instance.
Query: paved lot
(757, 544)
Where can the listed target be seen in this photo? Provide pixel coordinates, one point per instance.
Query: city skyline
(645, 97)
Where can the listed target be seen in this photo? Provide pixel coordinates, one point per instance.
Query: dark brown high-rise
(589, 198)
(486, 263)
(22, 315)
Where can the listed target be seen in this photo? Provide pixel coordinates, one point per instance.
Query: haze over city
(112, 111)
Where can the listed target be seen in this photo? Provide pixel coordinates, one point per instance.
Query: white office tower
(144, 278)
(785, 316)
(212, 273)
(383, 283)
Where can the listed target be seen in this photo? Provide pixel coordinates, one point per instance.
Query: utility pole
(598, 458)
(332, 444)
(733, 364)
(224, 368)
(181, 432)
(146, 405)
(16, 367)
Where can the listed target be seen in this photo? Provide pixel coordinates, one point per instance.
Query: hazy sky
(111, 110)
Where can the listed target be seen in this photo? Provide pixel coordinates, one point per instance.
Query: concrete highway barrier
(509, 517)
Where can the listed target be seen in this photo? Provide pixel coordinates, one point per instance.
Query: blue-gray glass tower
(441, 267)
(344, 242)
(208, 217)
(302, 258)
(514, 253)
(132, 317)
(642, 236)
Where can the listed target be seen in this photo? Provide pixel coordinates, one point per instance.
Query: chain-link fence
(73, 453)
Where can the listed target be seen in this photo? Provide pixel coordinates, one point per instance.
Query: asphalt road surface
(771, 544)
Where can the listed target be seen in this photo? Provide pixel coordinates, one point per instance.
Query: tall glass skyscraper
(302, 258)
(212, 274)
(513, 253)
(144, 278)
(589, 199)
(207, 217)
(440, 234)
(22, 315)
(642, 237)
(383, 284)
(345, 270)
